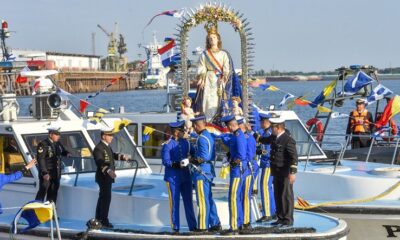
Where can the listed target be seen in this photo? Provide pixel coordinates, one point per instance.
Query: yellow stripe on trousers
(255, 184)
(267, 211)
(233, 203)
(170, 204)
(247, 200)
(202, 204)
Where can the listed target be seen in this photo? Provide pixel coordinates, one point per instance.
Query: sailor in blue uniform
(178, 178)
(203, 157)
(267, 192)
(238, 166)
(248, 176)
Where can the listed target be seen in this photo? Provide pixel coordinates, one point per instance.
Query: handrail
(134, 176)
(340, 157)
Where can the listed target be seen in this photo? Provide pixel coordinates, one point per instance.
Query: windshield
(303, 140)
(122, 143)
(80, 159)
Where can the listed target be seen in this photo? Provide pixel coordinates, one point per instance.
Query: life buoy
(394, 130)
(318, 126)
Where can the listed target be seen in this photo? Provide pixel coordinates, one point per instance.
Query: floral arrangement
(211, 15)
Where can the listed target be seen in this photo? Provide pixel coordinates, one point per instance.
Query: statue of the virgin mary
(213, 74)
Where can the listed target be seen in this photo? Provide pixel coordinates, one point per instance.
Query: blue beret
(265, 116)
(198, 118)
(227, 118)
(177, 124)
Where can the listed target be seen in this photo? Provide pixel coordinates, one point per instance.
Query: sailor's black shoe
(107, 225)
(231, 232)
(215, 228)
(276, 223)
(264, 219)
(246, 227)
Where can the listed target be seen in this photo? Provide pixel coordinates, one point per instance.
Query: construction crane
(112, 42)
(114, 62)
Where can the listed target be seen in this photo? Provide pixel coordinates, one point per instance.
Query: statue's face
(213, 39)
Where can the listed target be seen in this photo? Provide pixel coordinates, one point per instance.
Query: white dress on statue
(210, 100)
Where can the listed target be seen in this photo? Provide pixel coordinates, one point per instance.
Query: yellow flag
(224, 172)
(323, 109)
(148, 130)
(328, 89)
(272, 88)
(395, 106)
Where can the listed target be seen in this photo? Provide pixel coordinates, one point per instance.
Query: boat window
(11, 159)
(133, 131)
(303, 142)
(81, 159)
(152, 143)
(122, 143)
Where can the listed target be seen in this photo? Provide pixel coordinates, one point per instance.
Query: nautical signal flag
(35, 213)
(378, 93)
(323, 109)
(391, 109)
(269, 87)
(355, 83)
(301, 101)
(147, 131)
(324, 94)
(83, 105)
(285, 98)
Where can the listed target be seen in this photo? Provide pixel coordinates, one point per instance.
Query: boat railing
(134, 176)
(77, 173)
(349, 137)
(340, 156)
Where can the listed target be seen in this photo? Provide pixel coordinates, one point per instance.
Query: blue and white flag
(284, 99)
(355, 83)
(381, 132)
(378, 93)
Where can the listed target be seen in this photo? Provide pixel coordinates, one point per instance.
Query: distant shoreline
(319, 78)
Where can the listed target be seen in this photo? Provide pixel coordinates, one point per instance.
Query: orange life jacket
(360, 127)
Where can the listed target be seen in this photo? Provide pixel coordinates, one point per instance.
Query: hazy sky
(289, 34)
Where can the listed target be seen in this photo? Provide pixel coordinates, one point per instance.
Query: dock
(78, 82)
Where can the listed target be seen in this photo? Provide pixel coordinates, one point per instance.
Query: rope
(346, 202)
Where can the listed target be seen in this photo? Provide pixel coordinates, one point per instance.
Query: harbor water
(154, 100)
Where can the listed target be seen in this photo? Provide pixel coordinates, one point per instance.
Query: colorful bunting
(323, 109)
(171, 13)
(285, 98)
(83, 105)
(147, 131)
(269, 87)
(378, 93)
(301, 101)
(324, 94)
(355, 83)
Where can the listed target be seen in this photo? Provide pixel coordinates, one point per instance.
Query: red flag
(21, 79)
(83, 105)
(114, 80)
(301, 102)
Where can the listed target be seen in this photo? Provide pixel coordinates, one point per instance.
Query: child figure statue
(187, 112)
(236, 109)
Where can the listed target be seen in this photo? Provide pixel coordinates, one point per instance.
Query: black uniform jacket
(49, 157)
(283, 153)
(104, 158)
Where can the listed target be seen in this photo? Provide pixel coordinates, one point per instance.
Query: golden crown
(211, 28)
